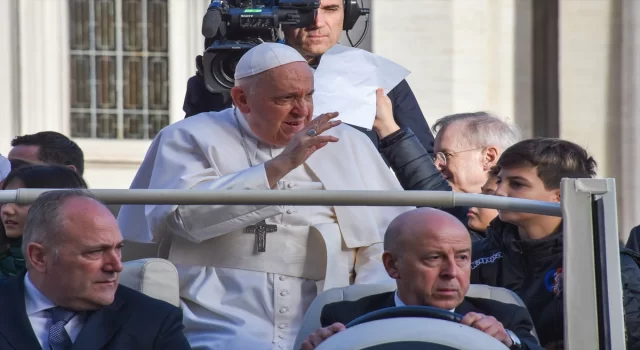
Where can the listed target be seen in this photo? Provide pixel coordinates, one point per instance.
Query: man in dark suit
(312, 42)
(428, 252)
(69, 298)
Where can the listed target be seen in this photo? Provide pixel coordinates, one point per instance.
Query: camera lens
(223, 68)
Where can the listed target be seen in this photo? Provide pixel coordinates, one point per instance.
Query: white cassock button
(282, 326)
(290, 211)
(282, 278)
(284, 293)
(284, 309)
(290, 185)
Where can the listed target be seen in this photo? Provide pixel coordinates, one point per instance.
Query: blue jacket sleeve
(407, 113)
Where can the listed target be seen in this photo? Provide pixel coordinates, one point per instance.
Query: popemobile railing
(591, 278)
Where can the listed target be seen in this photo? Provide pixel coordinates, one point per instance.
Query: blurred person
(70, 296)
(428, 253)
(312, 42)
(524, 252)
(269, 141)
(14, 215)
(48, 147)
(480, 218)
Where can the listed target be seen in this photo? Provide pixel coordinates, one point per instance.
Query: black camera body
(232, 28)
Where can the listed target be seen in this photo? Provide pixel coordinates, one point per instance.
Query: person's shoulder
(196, 123)
(484, 245)
(10, 281)
(495, 308)
(139, 300)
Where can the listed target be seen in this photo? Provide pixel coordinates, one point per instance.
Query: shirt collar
(35, 301)
(253, 141)
(244, 124)
(399, 302)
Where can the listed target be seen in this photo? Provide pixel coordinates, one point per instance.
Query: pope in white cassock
(248, 273)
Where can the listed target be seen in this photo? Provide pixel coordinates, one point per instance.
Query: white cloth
(266, 56)
(261, 304)
(36, 305)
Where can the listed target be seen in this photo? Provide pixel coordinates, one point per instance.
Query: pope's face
(322, 34)
(280, 102)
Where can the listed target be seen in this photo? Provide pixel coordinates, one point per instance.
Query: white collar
(399, 302)
(246, 128)
(251, 141)
(35, 301)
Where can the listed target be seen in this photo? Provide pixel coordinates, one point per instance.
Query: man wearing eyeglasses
(467, 146)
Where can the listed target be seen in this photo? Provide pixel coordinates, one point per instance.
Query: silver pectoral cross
(261, 229)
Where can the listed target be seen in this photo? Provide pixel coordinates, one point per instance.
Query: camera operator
(312, 42)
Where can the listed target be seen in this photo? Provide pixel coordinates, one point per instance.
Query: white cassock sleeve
(181, 160)
(369, 267)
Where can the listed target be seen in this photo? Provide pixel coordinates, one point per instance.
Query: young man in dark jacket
(523, 252)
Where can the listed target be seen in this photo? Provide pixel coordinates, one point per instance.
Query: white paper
(5, 167)
(346, 81)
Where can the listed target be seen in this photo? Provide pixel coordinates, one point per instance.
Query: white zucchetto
(264, 57)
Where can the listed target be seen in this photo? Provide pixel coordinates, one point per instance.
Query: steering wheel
(404, 327)
(407, 311)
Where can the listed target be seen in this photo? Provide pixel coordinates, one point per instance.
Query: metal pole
(444, 199)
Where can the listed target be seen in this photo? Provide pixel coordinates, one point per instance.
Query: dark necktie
(58, 337)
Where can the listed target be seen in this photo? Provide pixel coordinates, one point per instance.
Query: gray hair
(482, 129)
(45, 217)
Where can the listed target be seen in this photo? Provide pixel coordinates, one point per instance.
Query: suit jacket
(512, 317)
(132, 322)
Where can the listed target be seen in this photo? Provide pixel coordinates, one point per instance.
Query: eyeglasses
(442, 157)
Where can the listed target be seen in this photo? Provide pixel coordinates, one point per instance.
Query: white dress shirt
(37, 305)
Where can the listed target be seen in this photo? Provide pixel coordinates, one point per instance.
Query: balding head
(72, 244)
(428, 252)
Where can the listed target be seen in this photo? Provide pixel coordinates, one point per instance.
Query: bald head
(420, 224)
(428, 252)
(73, 245)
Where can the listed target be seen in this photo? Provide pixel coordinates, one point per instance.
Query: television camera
(233, 27)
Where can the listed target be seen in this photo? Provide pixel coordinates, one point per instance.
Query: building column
(9, 73)
(629, 143)
(463, 55)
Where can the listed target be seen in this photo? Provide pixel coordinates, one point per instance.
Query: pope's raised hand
(303, 144)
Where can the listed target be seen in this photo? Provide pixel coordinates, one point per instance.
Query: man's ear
(490, 157)
(390, 264)
(556, 195)
(239, 96)
(72, 167)
(36, 256)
